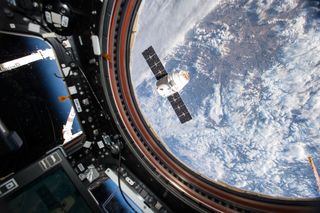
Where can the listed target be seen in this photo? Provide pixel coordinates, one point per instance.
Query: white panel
(48, 17)
(49, 35)
(57, 25)
(87, 144)
(81, 167)
(72, 90)
(34, 27)
(100, 144)
(80, 40)
(96, 45)
(66, 71)
(78, 106)
(56, 18)
(65, 21)
(66, 43)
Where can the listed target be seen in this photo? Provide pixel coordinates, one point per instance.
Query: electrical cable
(119, 185)
(62, 77)
(93, 93)
(52, 124)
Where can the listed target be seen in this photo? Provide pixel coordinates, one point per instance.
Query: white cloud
(163, 24)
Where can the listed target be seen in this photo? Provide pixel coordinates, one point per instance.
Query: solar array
(154, 63)
(158, 70)
(179, 107)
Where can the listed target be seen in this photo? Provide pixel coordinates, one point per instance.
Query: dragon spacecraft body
(172, 83)
(169, 85)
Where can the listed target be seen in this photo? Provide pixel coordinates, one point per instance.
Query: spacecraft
(169, 85)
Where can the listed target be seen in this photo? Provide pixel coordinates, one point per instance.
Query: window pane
(253, 92)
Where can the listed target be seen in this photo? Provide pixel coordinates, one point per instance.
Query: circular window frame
(115, 35)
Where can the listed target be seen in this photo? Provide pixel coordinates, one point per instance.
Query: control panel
(138, 190)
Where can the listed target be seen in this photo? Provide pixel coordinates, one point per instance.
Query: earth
(254, 90)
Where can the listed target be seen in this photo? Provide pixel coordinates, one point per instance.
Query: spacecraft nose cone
(185, 75)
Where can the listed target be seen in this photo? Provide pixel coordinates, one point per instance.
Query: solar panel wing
(179, 107)
(154, 63)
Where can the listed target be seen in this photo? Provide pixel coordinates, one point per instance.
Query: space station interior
(73, 133)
